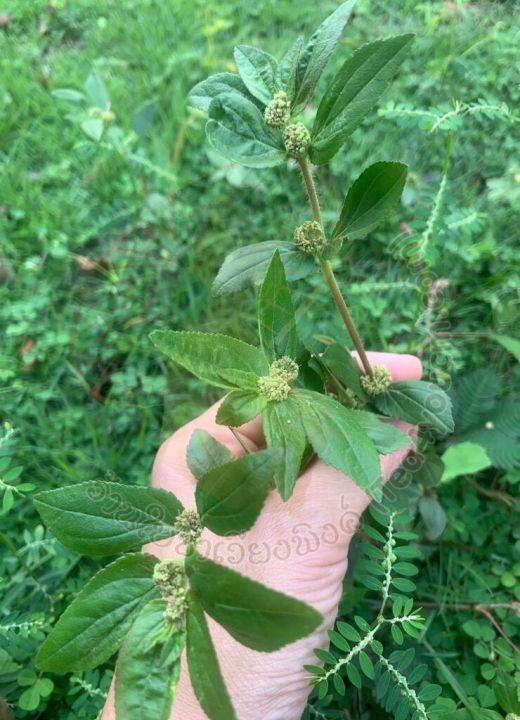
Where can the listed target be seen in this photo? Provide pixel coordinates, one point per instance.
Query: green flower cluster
(378, 382)
(276, 386)
(310, 238)
(277, 112)
(170, 579)
(188, 526)
(297, 140)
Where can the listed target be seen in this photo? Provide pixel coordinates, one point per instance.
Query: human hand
(299, 547)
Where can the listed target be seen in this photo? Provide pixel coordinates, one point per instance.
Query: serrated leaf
(370, 199)
(338, 440)
(318, 51)
(465, 458)
(418, 402)
(257, 70)
(201, 95)
(237, 130)
(105, 518)
(386, 437)
(353, 92)
(204, 353)
(143, 678)
(205, 453)
(283, 428)
(93, 626)
(339, 361)
(231, 497)
(256, 616)
(206, 677)
(239, 407)
(285, 74)
(276, 320)
(249, 265)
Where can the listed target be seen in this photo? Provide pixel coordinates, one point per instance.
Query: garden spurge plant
(322, 405)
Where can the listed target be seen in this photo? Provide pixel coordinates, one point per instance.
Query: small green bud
(378, 382)
(188, 526)
(274, 387)
(297, 140)
(284, 368)
(277, 112)
(175, 611)
(169, 576)
(310, 237)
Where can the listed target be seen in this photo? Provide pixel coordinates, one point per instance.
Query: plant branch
(328, 272)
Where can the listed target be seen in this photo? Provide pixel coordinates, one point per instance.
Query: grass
(100, 242)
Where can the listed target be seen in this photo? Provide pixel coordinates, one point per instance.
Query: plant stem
(328, 272)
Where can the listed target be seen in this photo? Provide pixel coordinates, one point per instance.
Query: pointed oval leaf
(205, 675)
(204, 353)
(283, 428)
(285, 75)
(237, 130)
(239, 407)
(201, 95)
(353, 92)
(386, 437)
(276, 320)
(93, 626)
(105, 518)
(249, 265)
(339, 440)
(257, 69)
(205, 453)
(256, 616)
(318, 51)
(339, 361)
(231, 497)
(418, 402)
(145, 676)
(371, 198)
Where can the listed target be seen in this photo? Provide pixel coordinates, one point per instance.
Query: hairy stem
(328, 272)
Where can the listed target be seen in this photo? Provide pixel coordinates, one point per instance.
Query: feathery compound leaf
(370, 199)
(249, 265)
(237, 130)
(339, 441)
(418, 402)
(230, 497)
(257, 69)
(205, 675)
(276, 321)
(202, 94)
(205, 453)
(93, 626)
(147, 672)
(283, 428)
(105, 518)
(239, 407)
(354, 91)
(318, 51)
(256, 616)
(204, 353)
(474, 396)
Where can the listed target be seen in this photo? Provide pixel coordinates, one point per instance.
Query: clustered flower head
(378, 382)
(310, 237)
(277, 112)
(297, 140)
(170, 579)
(188, 526)
(276, 386)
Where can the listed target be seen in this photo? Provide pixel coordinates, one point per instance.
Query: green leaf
(96, 91)
(256, 616)
(205, 453)
(365, 663)
(465, 458)
(512, 345)
(237, 130)
(257, 69)
(475, 396)
(283, 428)
(206, 678)
(318, 51)
(370, 199)
(285, 74)
(231, 497)
(418, 402)
(144, 677)
(105, 518)
(204, 353)
(339, 361)
(433, 516)
(385, 436)
(339, 440)
(276, 321)
(249, 265)
(354, 676)
(202, 94)
(354, 91)
(239, 407)
(93, 626)
(30, 699)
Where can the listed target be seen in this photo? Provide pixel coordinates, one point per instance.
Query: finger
(401, 367)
